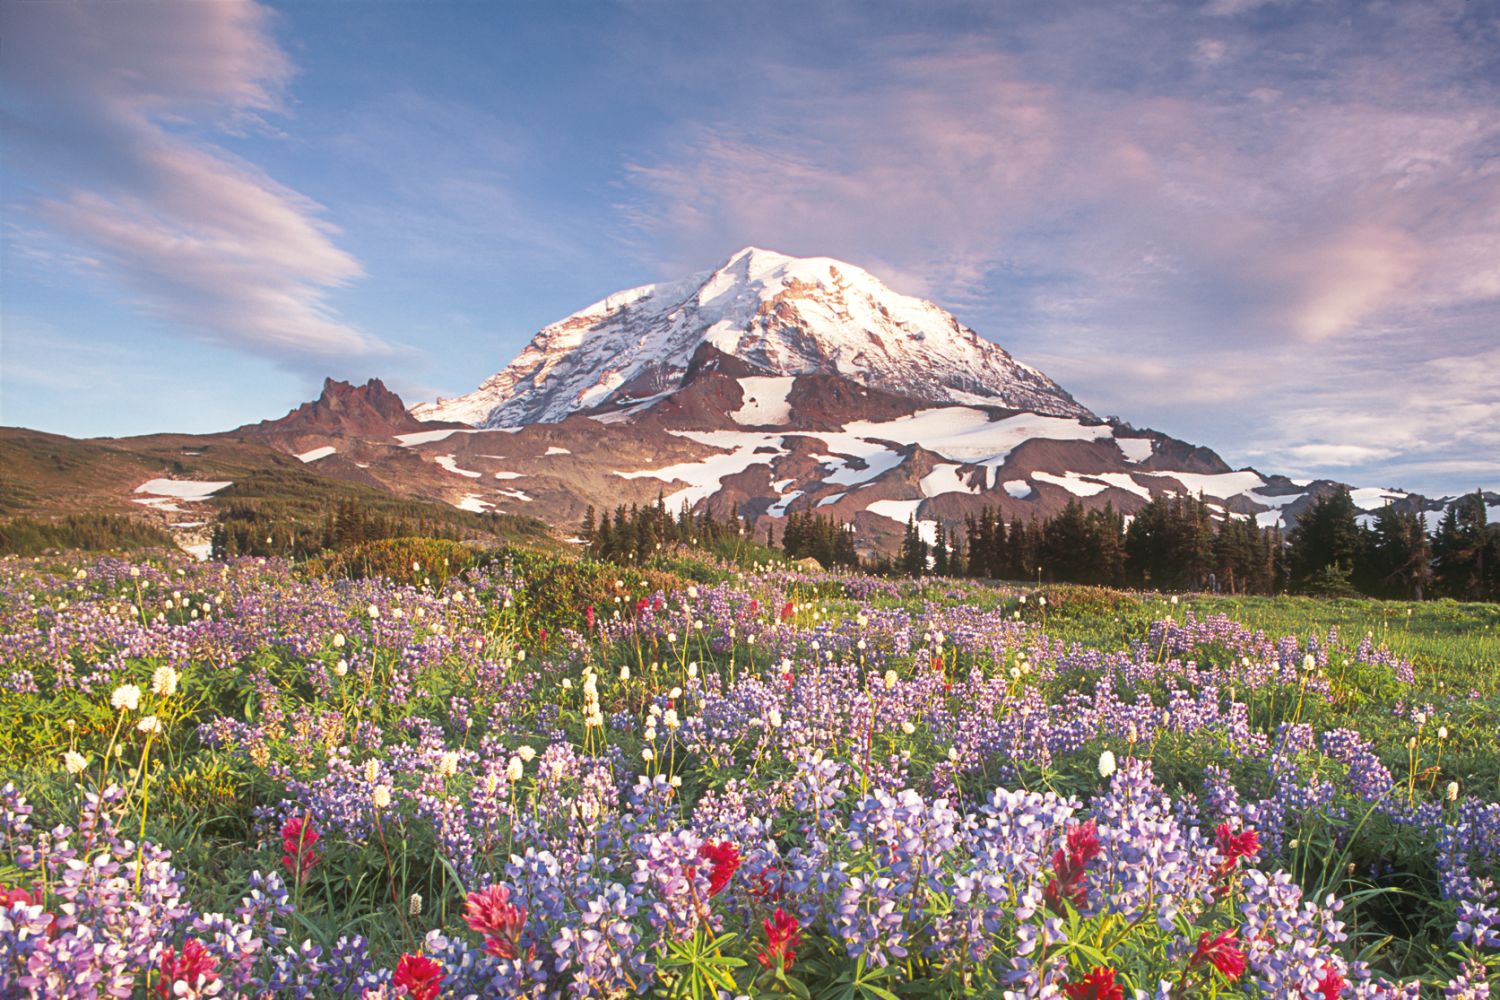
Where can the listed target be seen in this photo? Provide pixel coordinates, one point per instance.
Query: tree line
(633, 534)
(250, 529)
(1172, 543)
(1332, 552)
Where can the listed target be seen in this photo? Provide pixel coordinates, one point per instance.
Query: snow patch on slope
(1374, 498)
(703, 477)
(765, 400)
(1215, 484)
(1135, 449)
(426, 437)
(896, 510)
(450, 463)
(191, 490)
(1018, 488)
(317, 453)
(945, 479)
(1072, 482)
(968, 435)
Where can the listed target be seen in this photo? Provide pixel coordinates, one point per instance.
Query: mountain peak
(344, 409)
(780, 314)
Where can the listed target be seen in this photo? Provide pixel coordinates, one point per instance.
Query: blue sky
(1271, 228)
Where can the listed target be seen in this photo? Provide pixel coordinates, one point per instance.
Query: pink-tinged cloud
(113, 101)
(1302, 228)
(918, 177)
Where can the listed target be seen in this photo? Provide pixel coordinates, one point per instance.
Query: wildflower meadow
(522, 776)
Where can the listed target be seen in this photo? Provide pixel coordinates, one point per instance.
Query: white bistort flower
(127, 698)
(164, 681)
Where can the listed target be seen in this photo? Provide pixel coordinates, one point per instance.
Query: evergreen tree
(1460, 546)
(1327, 547)
(912, 559)
(1401, 556)
(940, 554)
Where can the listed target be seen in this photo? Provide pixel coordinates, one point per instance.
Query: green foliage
(26, 536)
(1329, 553)
(204, 797)
(636, 535)
(424, 561)
(829, 541)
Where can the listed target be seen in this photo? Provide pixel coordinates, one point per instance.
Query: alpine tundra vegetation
(538, 777)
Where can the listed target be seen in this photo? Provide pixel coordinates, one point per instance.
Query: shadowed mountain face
(766, 386)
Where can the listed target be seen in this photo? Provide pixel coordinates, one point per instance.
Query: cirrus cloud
(118, 115)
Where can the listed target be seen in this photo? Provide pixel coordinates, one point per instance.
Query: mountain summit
(783, 316)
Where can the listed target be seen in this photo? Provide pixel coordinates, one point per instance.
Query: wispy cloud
(1164, 210)
(113, 111)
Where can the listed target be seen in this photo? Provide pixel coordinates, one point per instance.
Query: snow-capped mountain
(768, 387)
(781, 315)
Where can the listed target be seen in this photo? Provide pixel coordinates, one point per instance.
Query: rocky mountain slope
(767, 386)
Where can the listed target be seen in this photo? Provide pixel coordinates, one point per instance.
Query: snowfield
(191, 490)
(450, 463)
(317, 453)
(765, 401)
(474, 503)
(1135, 449)
(975, 446)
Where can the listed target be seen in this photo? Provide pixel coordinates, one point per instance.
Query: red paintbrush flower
(1235, 846)
(1083, 843)
(491, 913)
(588, 617)
(193, 973)
(420, 976)
(786, 611)
(1330, 987)
(1069, 864)
(1222, 952)
(1099, 984)
(723, 858)
(298, 836)
(783, 935)
(10, 897)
